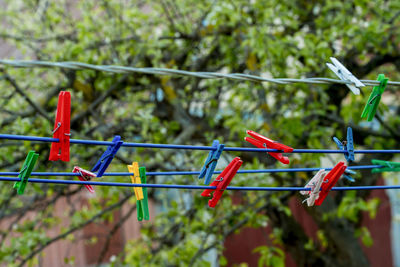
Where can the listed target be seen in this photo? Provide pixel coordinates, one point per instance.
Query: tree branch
(112, 232)
(73, 229)
(36, 107)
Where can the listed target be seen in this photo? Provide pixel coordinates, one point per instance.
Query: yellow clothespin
(134, 168)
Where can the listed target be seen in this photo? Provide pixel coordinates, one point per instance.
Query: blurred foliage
(266, 38)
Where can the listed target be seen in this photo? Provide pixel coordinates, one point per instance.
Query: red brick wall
(239, 247)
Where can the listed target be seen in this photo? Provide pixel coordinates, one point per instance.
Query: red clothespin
(222, 181)
(329, 181)
(264, 142)
(84, 176)
(60, 150)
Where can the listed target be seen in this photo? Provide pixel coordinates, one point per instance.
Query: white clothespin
(315, 185)
(345, 75)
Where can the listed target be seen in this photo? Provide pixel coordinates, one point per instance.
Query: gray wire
(164, 71)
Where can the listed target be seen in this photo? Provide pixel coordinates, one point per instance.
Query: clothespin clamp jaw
(60, 150)
(345, 75)
(105, 160)
(374, 98)
(329, 181)
(314, 184)
(211, 161)
(389, 166)
(222, 182)
(347, 145)
(143, 205)
(84, 175)
(25, 172)
(264, 142)
(347, 174)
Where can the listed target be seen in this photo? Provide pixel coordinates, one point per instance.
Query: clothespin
(211, 161)
(107, 156)
(389, 166)
(347, 174)
(264, 142)
(345, 75)
(374, 98)
(315, 185)
(25, 172)
(329, 181)
(60, 150)
(134, 168)
(139, 177)
(347, 145)
(84, 175)
(222, 182)
(143, 205)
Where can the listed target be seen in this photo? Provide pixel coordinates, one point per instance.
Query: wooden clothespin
(211, 161)
(60, 150)
(25, 172)
(345, 75)
(222, 182)
(84, 175)
(374, 98)
(107, 157)
(264, 142)
(329, 181)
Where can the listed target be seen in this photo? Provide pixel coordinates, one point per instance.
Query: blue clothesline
(175, 186)
(169, 146)
(193, 172)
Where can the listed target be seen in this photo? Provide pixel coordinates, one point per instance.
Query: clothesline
(189, 147)
(202, 187)
(319, 184)
(193, 172)
(165, 71)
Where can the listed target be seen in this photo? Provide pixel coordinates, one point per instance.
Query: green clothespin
(374, 98)
(25, 172)
(389, 166)
(143, 205)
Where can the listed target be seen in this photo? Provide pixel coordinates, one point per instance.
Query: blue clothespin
(347, 175)
(347, 145)
(107, 156)
(211, 161)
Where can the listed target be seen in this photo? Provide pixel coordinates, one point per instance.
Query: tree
(271, 38)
